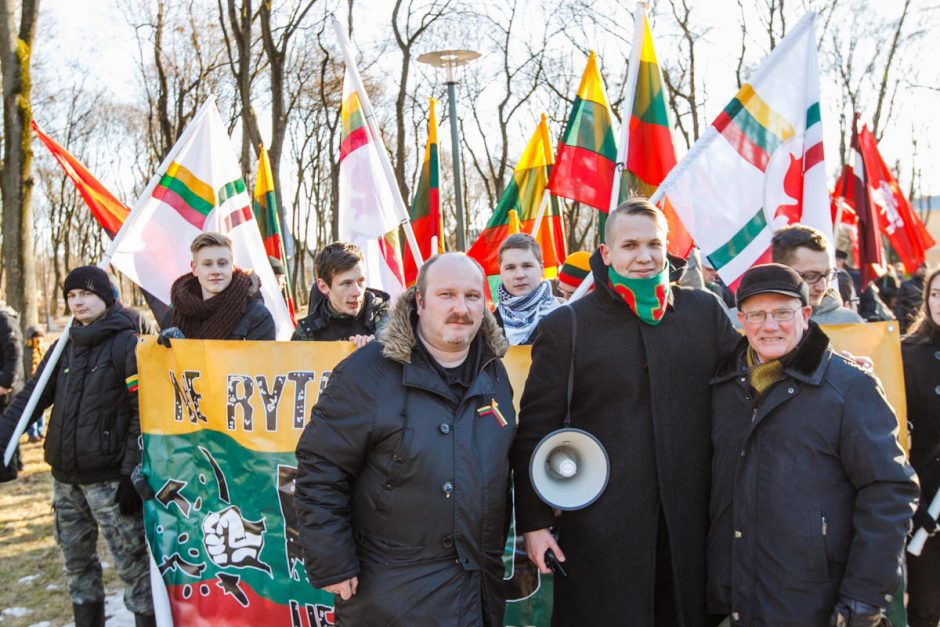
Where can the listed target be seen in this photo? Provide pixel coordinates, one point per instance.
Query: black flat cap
(771, 278)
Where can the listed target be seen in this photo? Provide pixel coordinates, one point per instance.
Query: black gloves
(127, 498)
(923, 520)
(852, 613)
(9, 473)
(169, 333)
(141, 484)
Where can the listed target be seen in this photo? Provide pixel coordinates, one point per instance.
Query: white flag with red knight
(760, 165)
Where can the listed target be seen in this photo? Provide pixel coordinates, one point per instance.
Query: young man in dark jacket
(341, 306)
(811, 494)
(91, 445)
(403, 471)
(217, 301)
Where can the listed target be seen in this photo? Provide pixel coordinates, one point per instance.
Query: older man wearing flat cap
(811, 493)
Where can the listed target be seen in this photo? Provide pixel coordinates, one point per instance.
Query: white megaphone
(569, 469)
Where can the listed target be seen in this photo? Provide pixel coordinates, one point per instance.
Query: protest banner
(220, 421)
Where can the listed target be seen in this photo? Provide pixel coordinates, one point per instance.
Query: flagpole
(369, 116)
(546, 194)
(132, 218)
(633, 71)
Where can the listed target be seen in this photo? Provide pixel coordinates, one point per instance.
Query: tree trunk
(16, 177)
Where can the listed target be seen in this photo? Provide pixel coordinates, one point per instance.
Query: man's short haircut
(636, 206)
(521, 241)
(788, 239)
(334, 259)
(208, 239)
(421, 283)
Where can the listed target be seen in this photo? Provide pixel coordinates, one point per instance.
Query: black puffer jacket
(402, 482)
(322, 325)
(11, 354)
(811, 494)
(92, 435)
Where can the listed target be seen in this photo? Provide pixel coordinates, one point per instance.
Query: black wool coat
(922, 385)
(93, 431)
(643, 391)
(811, 493)
(402, 483)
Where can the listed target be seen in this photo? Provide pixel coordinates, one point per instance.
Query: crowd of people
(755, 475)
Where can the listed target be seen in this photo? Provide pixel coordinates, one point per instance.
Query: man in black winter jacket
(341, 306)
(910, 298)
(92, 447)
(403, 471)
(811, 495)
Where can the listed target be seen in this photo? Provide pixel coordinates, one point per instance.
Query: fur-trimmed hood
(399, 339)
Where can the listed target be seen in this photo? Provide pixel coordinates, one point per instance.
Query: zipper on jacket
(825, 526)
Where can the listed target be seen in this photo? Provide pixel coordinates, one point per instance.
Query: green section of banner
(220, 508)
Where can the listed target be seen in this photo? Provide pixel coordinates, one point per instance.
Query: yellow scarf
(761, 376)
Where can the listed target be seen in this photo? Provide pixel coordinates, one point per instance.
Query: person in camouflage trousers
(75, 506)
(92, 447)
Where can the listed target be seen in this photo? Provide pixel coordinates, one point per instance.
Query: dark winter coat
(909, 299)
(922, 384)
(643, 391)
(322, 325)
(811, 493)
(256, 323)
(92, 434)
(11, 354)
(403, 484)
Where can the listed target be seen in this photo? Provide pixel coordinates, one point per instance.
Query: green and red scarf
(645, 297)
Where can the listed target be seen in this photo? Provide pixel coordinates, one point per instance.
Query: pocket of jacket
(815, 529)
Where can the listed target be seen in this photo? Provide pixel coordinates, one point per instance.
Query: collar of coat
(807, 363)
(399, 339)
(611, 298)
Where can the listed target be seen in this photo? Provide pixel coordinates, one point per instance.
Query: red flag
(108, 210)
(905, 231)
(854, 193)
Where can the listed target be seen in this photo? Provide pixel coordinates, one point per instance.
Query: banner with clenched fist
(220, 421)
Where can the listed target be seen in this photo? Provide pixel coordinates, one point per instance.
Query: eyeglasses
(759, 317)
(812, 278)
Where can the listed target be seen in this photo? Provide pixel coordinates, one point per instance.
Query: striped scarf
(521, 314)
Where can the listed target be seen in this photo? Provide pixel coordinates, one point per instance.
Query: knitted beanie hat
(577, 266)
(91, 278)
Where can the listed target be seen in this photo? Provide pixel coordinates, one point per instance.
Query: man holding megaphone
(639, 354)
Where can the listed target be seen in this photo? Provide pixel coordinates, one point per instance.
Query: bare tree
(16, 42)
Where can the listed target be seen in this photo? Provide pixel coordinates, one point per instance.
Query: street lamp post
(450, 60)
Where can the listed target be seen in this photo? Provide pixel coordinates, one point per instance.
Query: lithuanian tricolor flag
(646, 141)
(264, 205)
(426, 205)
(108, 210)
(523, 194)
(584, 166)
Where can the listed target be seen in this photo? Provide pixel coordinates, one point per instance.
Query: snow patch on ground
(15, 612)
